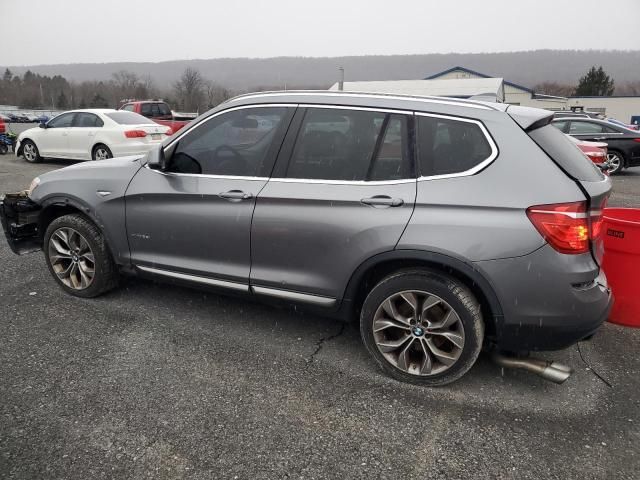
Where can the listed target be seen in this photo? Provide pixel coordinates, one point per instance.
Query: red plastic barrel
(621, 263)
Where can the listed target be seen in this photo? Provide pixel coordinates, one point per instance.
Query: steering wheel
(230, 165)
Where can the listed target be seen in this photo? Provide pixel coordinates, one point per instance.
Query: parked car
(94, 134)
(3, 125)
(577, 114)
(156, 110)
(622, 124)
(623, 144)
(485, 231)
(594, 151)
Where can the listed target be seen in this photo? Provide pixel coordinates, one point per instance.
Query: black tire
(105, 273)
(95, 153)
(456, 297)
(3, 149)
(30, 152)
(616, 157)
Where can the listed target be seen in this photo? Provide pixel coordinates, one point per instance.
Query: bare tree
(215, 93)
(555, 88)
(125, 84)
(189, 89)
(629, 88)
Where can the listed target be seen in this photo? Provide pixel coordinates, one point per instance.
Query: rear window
(447, 146)
(128, 118)
(568, 157)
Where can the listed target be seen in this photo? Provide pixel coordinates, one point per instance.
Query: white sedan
(93, 134)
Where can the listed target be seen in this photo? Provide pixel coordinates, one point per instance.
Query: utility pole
(341, 82)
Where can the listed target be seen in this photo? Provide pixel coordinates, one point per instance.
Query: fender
(469, 270)
(82, 206)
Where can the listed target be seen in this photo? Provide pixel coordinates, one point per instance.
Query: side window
(128, 107)
(164, 109)
(447, 146)
(233, 143)
(578, 128)
(145, 109)
(61, 121)
(155, 110)
(350, 145)
(85, 119)
(562, 126)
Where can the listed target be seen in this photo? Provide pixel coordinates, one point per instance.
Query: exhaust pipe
(552, 371)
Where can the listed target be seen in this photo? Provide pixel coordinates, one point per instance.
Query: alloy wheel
(615, 162)
(71, 258)
(418, 333)
(101, 154)
(29, 152)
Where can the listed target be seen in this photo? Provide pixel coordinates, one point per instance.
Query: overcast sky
(74, 31)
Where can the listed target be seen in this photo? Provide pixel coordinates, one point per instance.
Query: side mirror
(43, 125)
(157, 159)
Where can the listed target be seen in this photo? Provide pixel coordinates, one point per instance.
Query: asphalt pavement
(158, 381)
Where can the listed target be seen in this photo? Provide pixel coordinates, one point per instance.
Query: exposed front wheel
(78, 257)
(616, 162)
(30, 152)
(422, 327)
(101, 152)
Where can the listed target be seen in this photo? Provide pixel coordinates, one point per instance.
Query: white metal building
(490, 89)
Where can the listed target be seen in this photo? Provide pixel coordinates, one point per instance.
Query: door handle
(235, 195)
(382, 201)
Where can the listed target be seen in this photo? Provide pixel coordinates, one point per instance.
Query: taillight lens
(636, 140)
(135, 133)
(564, 225)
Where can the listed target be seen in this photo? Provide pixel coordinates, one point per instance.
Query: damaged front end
(19, 216)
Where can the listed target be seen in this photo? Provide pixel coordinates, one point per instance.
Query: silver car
(441, 225)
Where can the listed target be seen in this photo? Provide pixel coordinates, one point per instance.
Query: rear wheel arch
(376, 268)
(96, 146)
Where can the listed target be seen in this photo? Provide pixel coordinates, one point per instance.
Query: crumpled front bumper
(19, 216)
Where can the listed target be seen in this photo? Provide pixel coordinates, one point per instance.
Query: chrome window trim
(196, 278)
(204, 175)
(461, 103)
(295, 296)
(364, 109)
(472, 171)
(343, 182)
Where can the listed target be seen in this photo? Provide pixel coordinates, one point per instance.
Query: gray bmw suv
(442, 225)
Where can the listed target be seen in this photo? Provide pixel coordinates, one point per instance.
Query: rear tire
(101, 152)
(3, 149)
(30, 152)
(78, 257)
(422, 327)
(616, 161)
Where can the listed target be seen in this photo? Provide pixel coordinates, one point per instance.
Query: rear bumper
(20, 216)
(550, 301)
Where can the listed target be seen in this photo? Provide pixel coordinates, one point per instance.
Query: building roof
(483, 75)
(456, 88)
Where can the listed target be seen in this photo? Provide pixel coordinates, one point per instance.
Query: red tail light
(597, 157)
(135, 133)
(636, 140)
(564, 225)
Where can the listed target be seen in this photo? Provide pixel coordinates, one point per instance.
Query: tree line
(191, 92)
(595, 82)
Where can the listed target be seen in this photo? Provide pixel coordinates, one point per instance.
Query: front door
(54, 140)
(343, 190)
(193, 220)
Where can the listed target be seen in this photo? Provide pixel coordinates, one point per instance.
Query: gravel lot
(158, 381)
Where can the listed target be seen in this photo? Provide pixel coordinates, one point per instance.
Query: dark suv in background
(442, 225)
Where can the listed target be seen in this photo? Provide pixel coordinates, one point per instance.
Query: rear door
(82, 134)
(193, 220)
(342, 191)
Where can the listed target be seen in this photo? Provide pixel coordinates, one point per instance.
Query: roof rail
(336, 93)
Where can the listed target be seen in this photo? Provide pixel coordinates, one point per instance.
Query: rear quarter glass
(565, 154)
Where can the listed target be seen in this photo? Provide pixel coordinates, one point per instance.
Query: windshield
(128, 118)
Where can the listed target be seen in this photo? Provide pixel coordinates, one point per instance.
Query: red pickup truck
(157, 111)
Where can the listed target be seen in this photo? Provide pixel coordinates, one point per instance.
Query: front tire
(101, 152)
(78, 257)
(616, 162)
(30, 152)
(422, 327)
